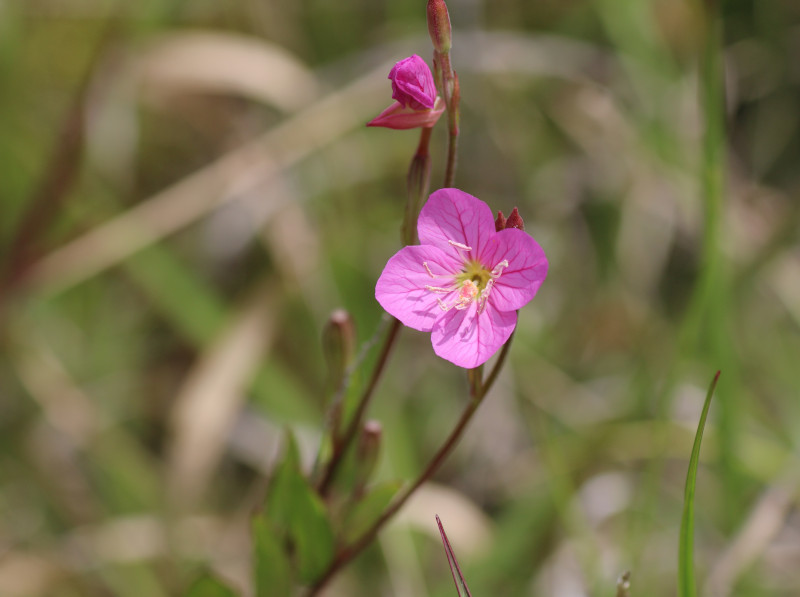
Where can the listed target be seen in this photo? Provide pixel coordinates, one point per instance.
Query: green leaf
(367, 510)
(312, 534)
(209, 586)
(300, 516)
(273, 575)
(280, 497)
(686, 583)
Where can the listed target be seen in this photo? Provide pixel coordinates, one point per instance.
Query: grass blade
(686, 583)
(451, 560)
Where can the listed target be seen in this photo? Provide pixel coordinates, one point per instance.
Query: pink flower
(464, 282)
(417, 104)
(412, 83)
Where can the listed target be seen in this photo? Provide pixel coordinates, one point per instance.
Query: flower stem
(452, 97)
(478, 391)
(501, 359)
(351, 551)
(418, 180)
(340, 446)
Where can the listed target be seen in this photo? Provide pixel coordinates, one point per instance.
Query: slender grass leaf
(455, 570)
(686, 583)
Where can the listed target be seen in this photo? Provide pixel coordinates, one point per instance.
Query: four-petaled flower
(416, 103)
(465, 281)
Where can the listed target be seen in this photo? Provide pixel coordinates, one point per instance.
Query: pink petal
(412, 83)
(401, 287)
(453, 215)
(399, 118)
(527, 268)
(468, 340)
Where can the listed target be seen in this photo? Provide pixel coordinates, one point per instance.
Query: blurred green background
(188, 191)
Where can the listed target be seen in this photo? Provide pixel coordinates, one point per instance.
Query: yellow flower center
(475, 272)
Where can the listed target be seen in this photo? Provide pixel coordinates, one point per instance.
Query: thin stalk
(340, 446)
(501, 359)
(59, 177)
(418, 181)
(478, 391)
(452, 96)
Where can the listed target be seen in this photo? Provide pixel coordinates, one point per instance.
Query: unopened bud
(500, 222)
(515, 221)
(439, 25)
(367, 451)
(339, 345)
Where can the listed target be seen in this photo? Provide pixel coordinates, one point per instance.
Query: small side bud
(515, 221)
(500, 222)
(367, 451)
(338, 345)
(439, 26)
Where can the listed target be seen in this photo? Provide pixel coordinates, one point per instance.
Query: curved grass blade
(686, 583)
(451, 560)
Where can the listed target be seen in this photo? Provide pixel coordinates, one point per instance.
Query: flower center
(476, 273)
(474, 283)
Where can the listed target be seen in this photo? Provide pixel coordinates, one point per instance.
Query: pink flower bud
(412, 83)
(398, 117)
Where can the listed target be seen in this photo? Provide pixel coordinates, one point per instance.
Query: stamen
(431, 274)
(439, 289)
(466, 294)
(460, 245)
(498, 269)
(484, 298)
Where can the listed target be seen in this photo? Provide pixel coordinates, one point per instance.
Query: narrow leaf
(453, 563)
(686, 582)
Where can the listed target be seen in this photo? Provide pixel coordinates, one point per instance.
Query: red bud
(515, 220)
(500, 222)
